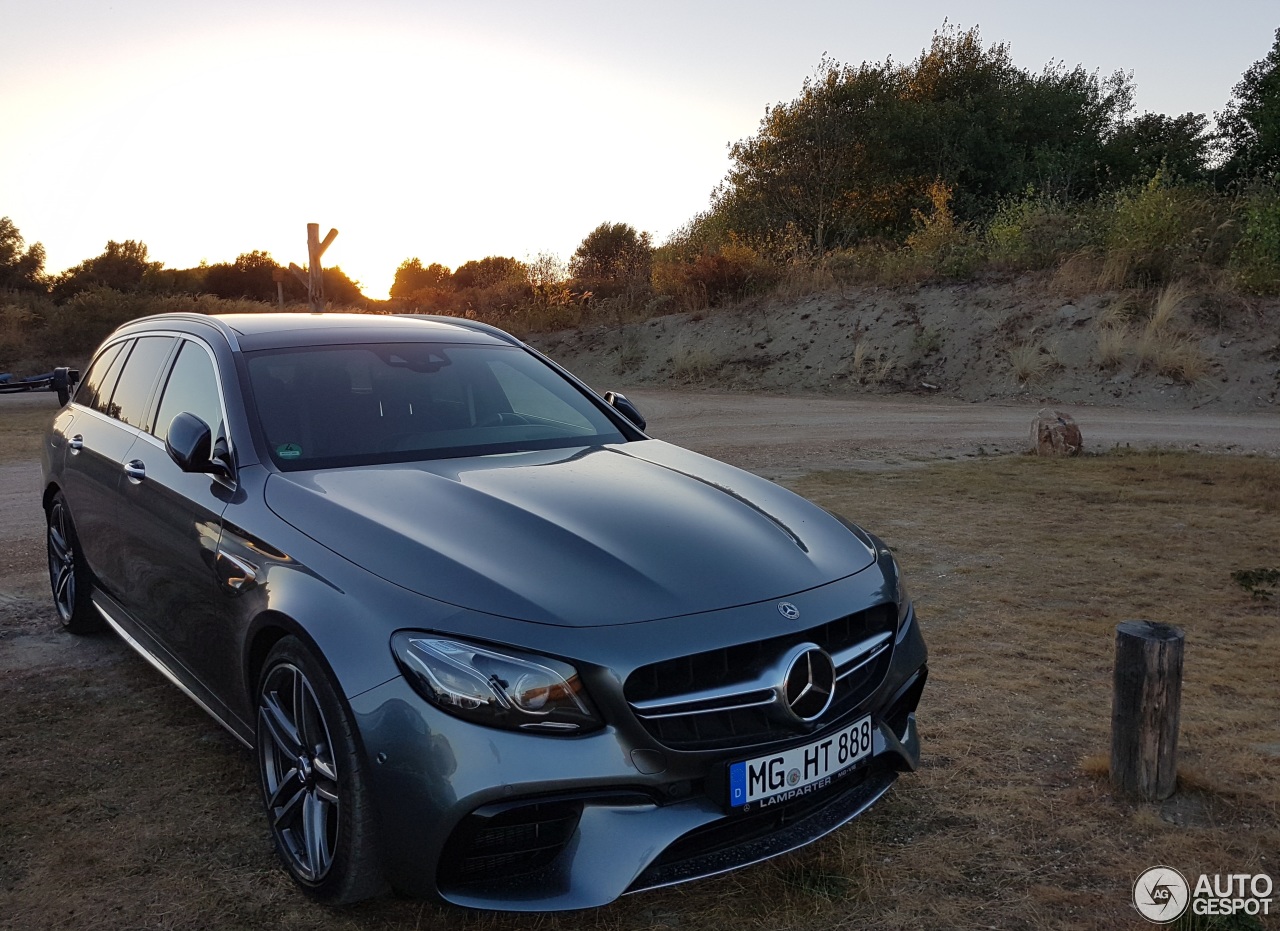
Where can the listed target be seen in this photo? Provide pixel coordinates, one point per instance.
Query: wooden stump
(1145, 709)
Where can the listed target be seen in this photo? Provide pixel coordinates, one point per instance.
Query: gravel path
(783, 436)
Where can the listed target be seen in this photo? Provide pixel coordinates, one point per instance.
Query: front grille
(725, 698)
(504, 842)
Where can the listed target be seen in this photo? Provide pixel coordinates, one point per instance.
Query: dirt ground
(123, 845)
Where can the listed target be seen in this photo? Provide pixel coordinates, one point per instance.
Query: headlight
(903, 597)
(498, 689)
(900, 595)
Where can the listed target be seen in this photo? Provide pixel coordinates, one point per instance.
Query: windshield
(329, 406)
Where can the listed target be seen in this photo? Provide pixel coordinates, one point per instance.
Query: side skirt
(156, 655)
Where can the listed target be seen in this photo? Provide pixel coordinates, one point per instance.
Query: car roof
(250, 332)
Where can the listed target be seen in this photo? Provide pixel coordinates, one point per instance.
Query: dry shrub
(1031, 361)
(16, 326)
(692, 364)
(801, 279)
(1079, 273)
(1169, 301)
(1164, 346)
(630, 351)
(1172, 355)
(730, 272)
(870, 365)
(940, 245)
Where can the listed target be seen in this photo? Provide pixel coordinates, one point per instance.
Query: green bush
(1256, 256)
(1033, 233)
(1159, 231)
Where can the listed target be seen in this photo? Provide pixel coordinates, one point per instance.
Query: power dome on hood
(581, 537)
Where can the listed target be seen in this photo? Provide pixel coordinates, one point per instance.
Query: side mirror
(190, 445)
(624, 407)
(64, 382)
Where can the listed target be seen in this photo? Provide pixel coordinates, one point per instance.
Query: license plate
(800, 770)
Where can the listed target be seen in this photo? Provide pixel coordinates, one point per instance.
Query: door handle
(76, 443)
(136, 470)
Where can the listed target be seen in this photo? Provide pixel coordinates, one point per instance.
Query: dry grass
(1169, 300)
(692, 364)
(870, 365)
(125, 807)
(1031, 361)
(1113, 346)
(1078, 274)
(1172, 355)
(1164, 345)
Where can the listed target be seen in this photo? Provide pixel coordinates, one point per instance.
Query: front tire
(68, 575)
(314, 785)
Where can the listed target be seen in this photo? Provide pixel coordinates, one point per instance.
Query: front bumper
(504, 820)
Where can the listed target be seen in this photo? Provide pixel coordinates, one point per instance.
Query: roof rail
(191, 317)
(467, 324)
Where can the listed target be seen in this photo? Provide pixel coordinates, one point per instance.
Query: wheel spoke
(315, 824)
(286, 813)
(279, 727)
(302, 702)
(325, 768)
(62, 587)
(58, 543)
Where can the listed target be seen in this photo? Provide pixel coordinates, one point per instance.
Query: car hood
(580, 537)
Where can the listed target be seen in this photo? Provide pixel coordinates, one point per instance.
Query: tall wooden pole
(315, 278)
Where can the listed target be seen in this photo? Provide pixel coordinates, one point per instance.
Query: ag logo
(1161, 894)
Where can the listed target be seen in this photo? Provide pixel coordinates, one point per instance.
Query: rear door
(108, 412)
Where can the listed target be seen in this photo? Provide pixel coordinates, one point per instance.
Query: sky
(453, 131)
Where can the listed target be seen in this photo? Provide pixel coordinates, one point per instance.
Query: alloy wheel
(62, 561)
(298, 772)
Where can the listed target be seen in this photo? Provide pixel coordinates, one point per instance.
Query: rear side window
(192, 388)
(129, 400)
(96, 387)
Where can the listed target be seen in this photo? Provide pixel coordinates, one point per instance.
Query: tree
(1177, 146)
(251, 276)
(612, 258)
(339, 289)
(1249, 127)
(857, 153)
(122, 267)
(488, 272)
(412, 277)
(21, 266)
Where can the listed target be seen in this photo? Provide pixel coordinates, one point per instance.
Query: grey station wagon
(489, 641)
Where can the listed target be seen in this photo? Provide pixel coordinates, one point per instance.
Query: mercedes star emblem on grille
(788, 610)
(810, 683)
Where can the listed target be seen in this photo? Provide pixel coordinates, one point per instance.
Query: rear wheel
(313, 780)
(68, 575)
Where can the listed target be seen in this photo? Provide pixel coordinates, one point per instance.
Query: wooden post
(313, 277)
(1145, 709)
(277, 275)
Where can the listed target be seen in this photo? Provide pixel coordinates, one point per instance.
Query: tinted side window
(95, 383)
(192, 388)
(129, 401)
